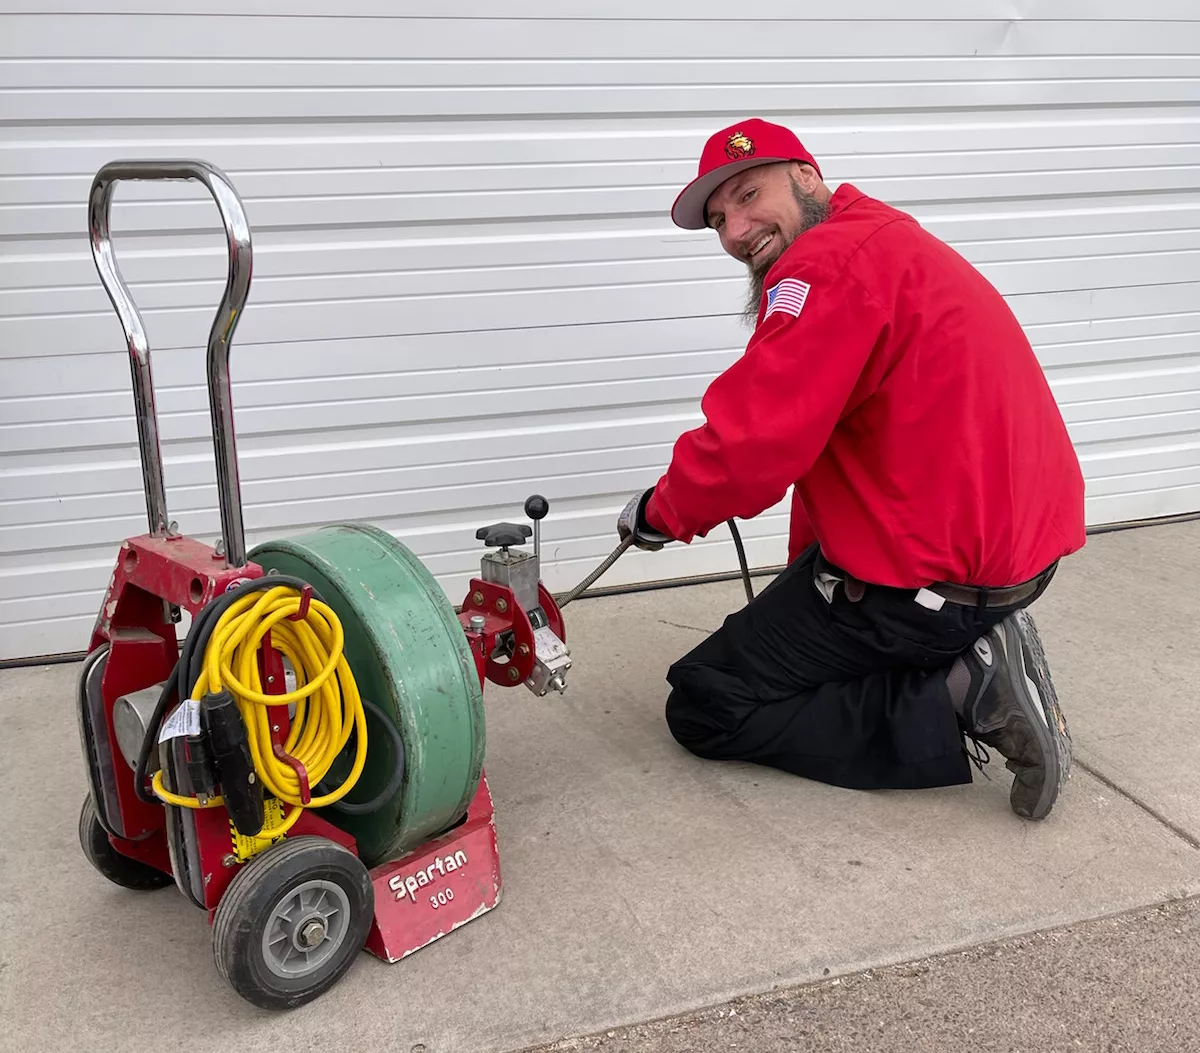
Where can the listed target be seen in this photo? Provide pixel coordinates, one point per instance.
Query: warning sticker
(549, 646)
(184, 721)
(248, 847)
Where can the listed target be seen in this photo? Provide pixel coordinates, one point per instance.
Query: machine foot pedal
(439, 887)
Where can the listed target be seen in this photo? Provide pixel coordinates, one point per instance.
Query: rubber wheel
(119, 869)
(293, 921)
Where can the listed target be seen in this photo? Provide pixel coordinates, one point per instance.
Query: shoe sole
(1028, 631)
(1017, 639)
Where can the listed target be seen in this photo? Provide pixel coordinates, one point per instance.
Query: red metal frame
(444, 884)
(420, 897)
(150, 570)
(214, 835)
(501, 613)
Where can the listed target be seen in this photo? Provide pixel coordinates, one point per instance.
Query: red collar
(845, 196)
(842, 198)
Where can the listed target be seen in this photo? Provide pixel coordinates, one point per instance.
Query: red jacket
(904, 402)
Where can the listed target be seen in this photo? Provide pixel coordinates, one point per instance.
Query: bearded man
(935, 489)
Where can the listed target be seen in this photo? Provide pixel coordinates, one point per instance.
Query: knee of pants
(695, 728)
(678, 713)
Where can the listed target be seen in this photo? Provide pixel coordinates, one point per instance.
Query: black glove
(633, 521)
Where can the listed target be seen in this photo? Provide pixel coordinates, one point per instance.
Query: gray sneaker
(1012, 706)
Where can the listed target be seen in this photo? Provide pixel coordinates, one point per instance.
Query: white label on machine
(549, 646)
(184, 721)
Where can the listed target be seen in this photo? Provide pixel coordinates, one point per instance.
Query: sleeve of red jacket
(770, 414)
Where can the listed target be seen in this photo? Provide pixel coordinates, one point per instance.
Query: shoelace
(978, 755)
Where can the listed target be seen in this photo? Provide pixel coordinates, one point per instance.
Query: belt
(981, 597)
(977, 596)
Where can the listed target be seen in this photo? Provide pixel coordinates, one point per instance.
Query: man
(935, 491)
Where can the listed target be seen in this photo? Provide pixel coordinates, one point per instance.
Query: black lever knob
(536, 507)
(501, 535)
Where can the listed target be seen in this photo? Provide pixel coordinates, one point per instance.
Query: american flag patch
(786, 297)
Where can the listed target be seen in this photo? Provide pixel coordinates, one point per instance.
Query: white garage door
(466, 285)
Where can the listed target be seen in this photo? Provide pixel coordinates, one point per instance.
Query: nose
(738, 228)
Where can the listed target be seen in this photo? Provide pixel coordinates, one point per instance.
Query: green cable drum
(409, 656)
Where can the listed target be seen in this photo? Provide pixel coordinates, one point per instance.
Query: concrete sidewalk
(1120, 984)
(640, 881)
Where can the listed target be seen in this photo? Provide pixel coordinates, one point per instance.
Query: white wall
(466, 285)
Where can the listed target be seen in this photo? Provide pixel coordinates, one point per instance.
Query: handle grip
(220, 400)
(536, 507)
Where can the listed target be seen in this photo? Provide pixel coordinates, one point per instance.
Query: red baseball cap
(734, 149)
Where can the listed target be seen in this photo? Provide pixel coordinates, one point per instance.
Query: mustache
(747, 244)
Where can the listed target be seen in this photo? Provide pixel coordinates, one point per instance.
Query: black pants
(846, 692)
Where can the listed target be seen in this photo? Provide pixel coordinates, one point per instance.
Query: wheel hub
(311, 934)
(307, 926)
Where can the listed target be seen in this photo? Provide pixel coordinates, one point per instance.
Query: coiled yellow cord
(328, 707)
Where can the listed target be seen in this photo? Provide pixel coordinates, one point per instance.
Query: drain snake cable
(619, 551)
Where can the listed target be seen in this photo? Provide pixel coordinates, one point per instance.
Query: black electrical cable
(741, 553)
(385, 795)
(160, 711)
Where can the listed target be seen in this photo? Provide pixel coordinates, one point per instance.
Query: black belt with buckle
(981, 597)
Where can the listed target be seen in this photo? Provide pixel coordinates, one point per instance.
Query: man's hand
(632, 521)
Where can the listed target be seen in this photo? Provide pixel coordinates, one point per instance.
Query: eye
(717, 223)
(749, 194)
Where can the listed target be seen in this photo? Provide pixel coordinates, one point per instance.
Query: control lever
(536, 508)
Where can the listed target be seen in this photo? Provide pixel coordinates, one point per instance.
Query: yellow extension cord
(324, 716)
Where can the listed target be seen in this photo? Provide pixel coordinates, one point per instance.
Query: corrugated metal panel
(466, 285)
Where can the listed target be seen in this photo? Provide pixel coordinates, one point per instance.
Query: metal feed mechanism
(307, 766)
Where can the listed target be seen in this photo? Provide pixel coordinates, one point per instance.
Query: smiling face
(758, 213)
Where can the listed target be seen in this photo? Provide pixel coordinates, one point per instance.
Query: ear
(805, 175)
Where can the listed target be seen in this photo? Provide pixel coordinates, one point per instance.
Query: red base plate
(438, 887)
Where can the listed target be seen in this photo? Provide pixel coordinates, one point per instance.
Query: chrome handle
(220, 399)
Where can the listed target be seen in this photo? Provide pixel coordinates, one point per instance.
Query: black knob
(536, 507)
(503, 534)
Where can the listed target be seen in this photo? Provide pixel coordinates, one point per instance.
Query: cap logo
(738, 146)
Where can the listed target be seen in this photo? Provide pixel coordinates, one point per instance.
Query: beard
(812, 212)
